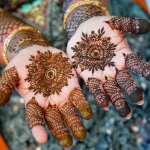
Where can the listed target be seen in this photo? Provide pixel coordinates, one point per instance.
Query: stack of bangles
(80, 3)
(9, 37)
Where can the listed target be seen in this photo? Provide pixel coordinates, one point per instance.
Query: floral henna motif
(48, 73)
(72, 119)
(129, 86)
(78, 16)
(26, 38)
(8, 23)
(138, 65)
(96, 88)
(116, 97)
(94, 52)
(80, 102)
(129, 24)
(34, 113)
(54, 120)
(8, 81)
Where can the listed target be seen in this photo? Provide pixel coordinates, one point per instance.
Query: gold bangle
(9, 37)
(80, 3)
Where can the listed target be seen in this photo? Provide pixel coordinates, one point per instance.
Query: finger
(72, 119)
(80, 102)
(34, 116)
(8, 81)
(137, 64)
(116, 97)
(129, 86)
(129, 24)
(54, 120)
(96, 88)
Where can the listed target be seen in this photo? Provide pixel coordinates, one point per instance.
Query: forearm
(15, 36)
(81, 13)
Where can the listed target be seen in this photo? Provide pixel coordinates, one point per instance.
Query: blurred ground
(106, 130)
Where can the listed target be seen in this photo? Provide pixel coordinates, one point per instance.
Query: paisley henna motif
(8, 23)
(96, 88)
(26, 38)
(138, 65)
(34, 113)
(72, 119)
(94, 52)
(8, 81)
(48, 73)
(129, 86)
(80, 102)
(55, 122)
(129, 24)
(116, 97)
(80, 15)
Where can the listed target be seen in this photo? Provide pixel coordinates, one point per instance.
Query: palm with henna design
(45, 79)
(102, 57)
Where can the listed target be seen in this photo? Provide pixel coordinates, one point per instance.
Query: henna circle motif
(94, 51)
(48, 73)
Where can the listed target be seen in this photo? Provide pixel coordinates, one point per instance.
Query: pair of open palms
(115, 37)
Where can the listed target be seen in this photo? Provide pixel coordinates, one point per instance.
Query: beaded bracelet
(9, 37)
(80, 3)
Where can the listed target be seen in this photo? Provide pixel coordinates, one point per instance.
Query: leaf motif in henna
(93, 52)
(48, 73)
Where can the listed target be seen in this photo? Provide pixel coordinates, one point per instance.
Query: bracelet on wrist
(80, 3)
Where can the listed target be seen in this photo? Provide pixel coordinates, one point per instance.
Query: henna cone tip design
(73, 121)
(129, 86)
(78, 99)
(54, 120)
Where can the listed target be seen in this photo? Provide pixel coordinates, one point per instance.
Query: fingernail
(137, 96)
(4, 98)
(86, 113)
(80, 134)
(65, 141)
(128, 116)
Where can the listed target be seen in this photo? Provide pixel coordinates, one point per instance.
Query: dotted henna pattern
(55, 122)
(8, 81)
(138, 65)
(80, 102)
(96, 88)
(72, 119)
(94, 52)
(129, 24)
(48, 73)
(34, 113)
(116, 97)
(129, 86)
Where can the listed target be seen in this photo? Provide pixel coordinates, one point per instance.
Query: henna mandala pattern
(8, 80)
(116, 97)
(54, 120)
(73, 121)
(34, 113)
(26, 38)
(8, 23)
(129, 86)
(129, 24)
(80, 102)
(94, 51)
(96, 88)
(48, 73)
(138, 65)
(78, 16)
